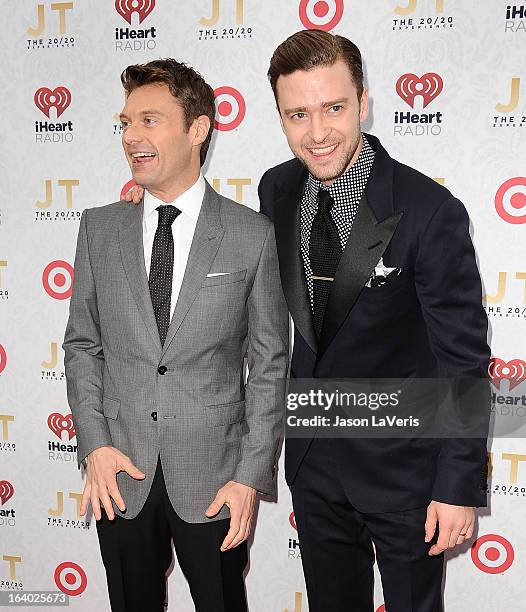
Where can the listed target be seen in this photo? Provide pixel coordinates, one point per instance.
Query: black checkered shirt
(347, 192)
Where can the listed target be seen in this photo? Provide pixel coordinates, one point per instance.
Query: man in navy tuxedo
(379, 273)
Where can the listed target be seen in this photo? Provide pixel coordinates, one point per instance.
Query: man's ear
(200, 127)
(364, 105)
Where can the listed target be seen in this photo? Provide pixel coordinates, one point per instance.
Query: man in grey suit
(168, 298)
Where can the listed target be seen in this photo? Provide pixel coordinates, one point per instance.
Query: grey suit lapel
(132, 253)
(205, 244)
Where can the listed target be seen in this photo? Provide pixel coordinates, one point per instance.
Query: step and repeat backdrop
(448, 91)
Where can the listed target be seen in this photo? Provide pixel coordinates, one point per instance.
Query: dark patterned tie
(324, 252)
(161, 268)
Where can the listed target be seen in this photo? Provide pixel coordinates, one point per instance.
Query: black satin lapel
(366, 244)
(288, 239)
(132, 254)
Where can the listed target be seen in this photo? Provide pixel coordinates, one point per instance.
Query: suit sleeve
(265, 196)
(449, 289)
(84, 356)
(268, 352)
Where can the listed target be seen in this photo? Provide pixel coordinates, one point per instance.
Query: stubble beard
(336, 169)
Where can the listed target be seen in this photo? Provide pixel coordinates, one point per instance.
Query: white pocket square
(217, 274)
(382, 275)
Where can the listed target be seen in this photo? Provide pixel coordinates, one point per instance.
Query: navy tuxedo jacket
(428, 322)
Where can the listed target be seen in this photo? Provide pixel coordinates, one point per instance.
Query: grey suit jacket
(210, 427)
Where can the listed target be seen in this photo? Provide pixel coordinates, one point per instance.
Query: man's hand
(134, 195)
(240, 499)
(101, 485)
(455, 524)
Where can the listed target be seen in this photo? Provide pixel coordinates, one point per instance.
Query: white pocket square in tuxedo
(382, 275)
(217, 274)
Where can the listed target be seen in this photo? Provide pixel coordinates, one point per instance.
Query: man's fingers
(128, 467)
(444, 534)
(240, 534)
(137, 193)
(128, 196)
(85, 499)
(106, 502)
(235, 522)
(115, 494)
(217, 504)
(430, 525)
(95, 503)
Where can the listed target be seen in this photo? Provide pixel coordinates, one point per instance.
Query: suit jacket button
(154, 416)
(162, 370)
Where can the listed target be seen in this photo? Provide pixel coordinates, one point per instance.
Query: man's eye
(149, 121)
(299, 116)
(124, 124)
(336, 108)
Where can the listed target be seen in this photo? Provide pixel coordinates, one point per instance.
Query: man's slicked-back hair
(309, 49)
(192, 92)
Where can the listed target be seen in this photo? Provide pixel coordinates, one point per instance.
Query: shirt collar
(352, 177)
(189, 202)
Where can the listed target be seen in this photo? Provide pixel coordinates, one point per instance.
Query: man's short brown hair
(192, 92)
(309, 49)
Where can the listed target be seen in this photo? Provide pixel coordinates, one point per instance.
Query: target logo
(429, 86)
(126, 8)
(381, 608)
(3, 359)
(321, 14)
(510, 200)
(59, 99)
(70, 578)
(126, 187)
(514, 371)
(492, 554)
(292, 521)
(57, 279)
(230, 108)
(6, 491)
(59, 423)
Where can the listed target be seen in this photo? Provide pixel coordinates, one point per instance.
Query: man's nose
(318, 128)
(131, 135)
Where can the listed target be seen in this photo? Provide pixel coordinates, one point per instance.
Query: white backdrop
(61, 65)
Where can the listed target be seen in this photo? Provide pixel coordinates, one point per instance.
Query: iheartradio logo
(514, 371)
(58, 423)
(321, 14)
(429, 86)
(126, 8)
(59, 99)
(6, 491)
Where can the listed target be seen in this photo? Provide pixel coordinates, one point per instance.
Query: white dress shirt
(183, 228)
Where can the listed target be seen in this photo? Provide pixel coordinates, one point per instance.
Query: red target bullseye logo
(510, 200)
(492, 554)
(57, 279)
(3, 359)
(70, 578)
(292, 521)
(381, 608)
(230, 108)
(321, 14)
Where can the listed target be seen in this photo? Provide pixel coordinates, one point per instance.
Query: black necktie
(161, 268)
(324, 252)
